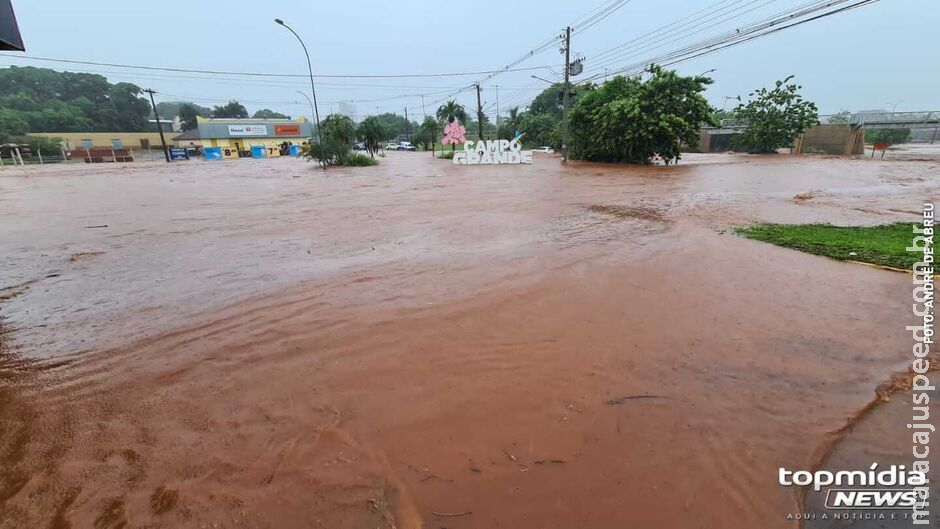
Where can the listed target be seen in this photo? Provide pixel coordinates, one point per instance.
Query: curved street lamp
(316, 111)
(312, 110)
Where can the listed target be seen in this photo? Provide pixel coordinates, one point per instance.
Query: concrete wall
(713, 140)
(831, 139)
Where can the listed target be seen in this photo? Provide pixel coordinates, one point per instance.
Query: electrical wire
(262, 74)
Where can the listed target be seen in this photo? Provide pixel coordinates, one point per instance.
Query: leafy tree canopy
(428, 133)
(510, 124)
(775, 117)
(266, 113)
(45, 100)
(232, 109)
(540, 129)
(171, 109)
(339, 132)
(395, 125)
(551, 100)
(889, 136)
(635, 121)
(451, 111)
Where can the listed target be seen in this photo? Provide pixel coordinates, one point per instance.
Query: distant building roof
(189, 135)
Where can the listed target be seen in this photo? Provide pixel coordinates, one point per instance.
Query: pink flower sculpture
(454, 133)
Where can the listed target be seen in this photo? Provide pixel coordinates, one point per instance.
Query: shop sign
(287, 130)
(247, 130)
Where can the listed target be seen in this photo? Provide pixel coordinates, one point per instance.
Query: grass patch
(884, 245)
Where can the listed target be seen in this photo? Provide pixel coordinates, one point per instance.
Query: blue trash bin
(258, 151)
(212, 153)
(295, 150)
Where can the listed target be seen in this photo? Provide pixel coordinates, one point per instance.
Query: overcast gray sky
(871, 57)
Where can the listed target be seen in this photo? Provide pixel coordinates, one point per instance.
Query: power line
(751, 31)
(587, 24)
(261, 74)
(729, 39)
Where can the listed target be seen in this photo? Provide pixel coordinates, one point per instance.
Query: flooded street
(259, 343)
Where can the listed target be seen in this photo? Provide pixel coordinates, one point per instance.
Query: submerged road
(262, 344)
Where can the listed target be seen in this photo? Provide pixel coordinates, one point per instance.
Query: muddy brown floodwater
(262, 344)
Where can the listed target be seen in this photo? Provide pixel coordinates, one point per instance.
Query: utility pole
(407, 125)
(166, 153)
(497, 110)
(424, 109)
(564, 97)
(479, 112)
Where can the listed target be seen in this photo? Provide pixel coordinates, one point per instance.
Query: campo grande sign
(492, 152)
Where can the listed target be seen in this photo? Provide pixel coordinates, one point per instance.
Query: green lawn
(881, 245)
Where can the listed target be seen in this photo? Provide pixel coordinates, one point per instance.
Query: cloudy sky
(876, 56)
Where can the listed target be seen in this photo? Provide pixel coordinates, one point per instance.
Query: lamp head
(279, 21)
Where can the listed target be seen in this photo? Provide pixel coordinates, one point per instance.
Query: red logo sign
(287, 130)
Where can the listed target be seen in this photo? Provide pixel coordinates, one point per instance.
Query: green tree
(394, 125)
(428, 133)
(49, 101)
(11, 124)
(889, 136)
(188, 114)
(232, 109)
(339, 132)
(510, 124)
(551, 100)
(266, 113)
(452, 110)
(775, 117)
(372, 134)
(635, 121)
(541, 129)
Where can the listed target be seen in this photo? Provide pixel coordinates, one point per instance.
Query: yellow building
(116, 140)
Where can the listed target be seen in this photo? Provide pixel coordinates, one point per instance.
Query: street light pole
(313, 90)
(312, 110)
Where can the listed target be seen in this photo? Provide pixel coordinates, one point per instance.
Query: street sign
(178, 153)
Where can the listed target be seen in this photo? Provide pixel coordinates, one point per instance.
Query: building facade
(240, 135)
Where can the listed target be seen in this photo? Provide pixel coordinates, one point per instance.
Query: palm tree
(371, 133)
(452, 110)
(514, 118)
(510, 125)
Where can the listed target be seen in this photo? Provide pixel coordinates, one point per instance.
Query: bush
(889, 136)
(634, 121)
(338, 135)
(774, 118)
(541, 129)
(446, 156)
(356, 159)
